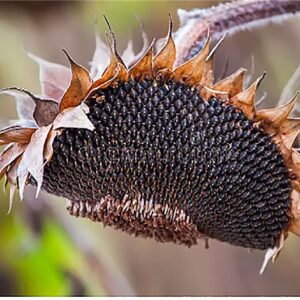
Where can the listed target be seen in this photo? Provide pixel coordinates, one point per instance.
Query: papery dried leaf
(44, 111)
(100, 58)
(32, 161)
(9, 155)
(54, 78)
(78, 88)
(25, 105)
(73, 117)
(208, 71)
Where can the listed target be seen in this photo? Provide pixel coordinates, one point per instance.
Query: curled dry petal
(32, 161)
(73, 117)
(78, 88)
(54, 78)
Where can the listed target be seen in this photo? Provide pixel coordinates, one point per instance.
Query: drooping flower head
(158, 149)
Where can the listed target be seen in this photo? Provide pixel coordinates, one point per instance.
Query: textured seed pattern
(161, 141)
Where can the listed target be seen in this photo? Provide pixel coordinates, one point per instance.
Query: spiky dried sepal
(78, 88)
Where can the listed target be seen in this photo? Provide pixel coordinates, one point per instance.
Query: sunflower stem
(228, 18)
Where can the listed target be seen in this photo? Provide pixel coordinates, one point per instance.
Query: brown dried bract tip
(162, 152)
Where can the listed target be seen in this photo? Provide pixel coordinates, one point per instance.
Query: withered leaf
(32, 161)
(73, 117)
(54, 78)
(10, 154)
(78, 88)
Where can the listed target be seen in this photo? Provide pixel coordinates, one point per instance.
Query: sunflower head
(158, 149)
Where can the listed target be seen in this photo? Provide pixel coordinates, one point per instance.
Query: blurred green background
(43, 250)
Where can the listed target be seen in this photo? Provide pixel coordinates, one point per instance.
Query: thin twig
(227, 17)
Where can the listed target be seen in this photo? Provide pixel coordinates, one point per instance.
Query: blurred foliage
(43, 250)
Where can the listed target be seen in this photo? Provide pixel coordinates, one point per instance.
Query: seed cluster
(160, 143)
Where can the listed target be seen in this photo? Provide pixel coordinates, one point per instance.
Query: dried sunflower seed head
(162, 151)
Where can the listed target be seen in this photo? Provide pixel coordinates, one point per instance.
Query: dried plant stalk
(227, 18)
